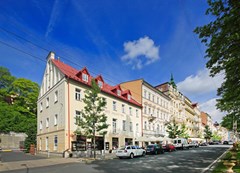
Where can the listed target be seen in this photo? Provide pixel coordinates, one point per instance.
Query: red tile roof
(74, 74)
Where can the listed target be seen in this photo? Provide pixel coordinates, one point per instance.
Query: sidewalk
(7, 166)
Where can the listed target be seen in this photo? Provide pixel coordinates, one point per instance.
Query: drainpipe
(68, 113)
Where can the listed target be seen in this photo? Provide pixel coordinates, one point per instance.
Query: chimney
(51, 55)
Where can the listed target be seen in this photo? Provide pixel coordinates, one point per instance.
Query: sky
(121, 40)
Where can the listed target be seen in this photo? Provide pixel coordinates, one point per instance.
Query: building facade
(60, 102)
(155, 109)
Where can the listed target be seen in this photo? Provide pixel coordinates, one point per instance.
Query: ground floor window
(136, 143)
(79, 144)
(55, 142)
(128, 141)
(115, 143)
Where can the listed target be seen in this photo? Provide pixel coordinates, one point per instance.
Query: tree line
(18, 106)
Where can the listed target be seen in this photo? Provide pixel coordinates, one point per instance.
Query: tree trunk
(94, 142)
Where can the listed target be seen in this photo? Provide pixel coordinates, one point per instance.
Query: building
(177, 103)
(60, 102)
(155, 109)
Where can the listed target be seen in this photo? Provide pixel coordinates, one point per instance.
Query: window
(46, 144)
(149, 96)
(123, 108)
(137, 127)
(47, 102)
(77, 117)
(129, 97)
(157, 100)
(55, 142)
(131, 128)
(158, 113)
(55, 119)
(100, 84)
(145, 94)
(124, 125)
(136, 113)
(114, 106)
(145, 125)
(114, 125)
(145, 109)
(153, 98)
(40, 125)
(47, 122)
(55, 96)
(77, 94)
(158, 128)
(40, 144)
(130, 110)
(149, 110)
(85, 77)
(41, 107)
(118, 92)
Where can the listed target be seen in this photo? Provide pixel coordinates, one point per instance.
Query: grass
(221, 168)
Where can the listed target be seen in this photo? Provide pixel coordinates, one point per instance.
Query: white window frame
(55, 119)
(56, 97)
(77, 94)
(47, 122)
(41, 107)
(85, 77)
(46, 144)
(114, 105)
(77, 116)
(40, 125)
(47, 102)
(114, 125)
(55, 146)
(100, 84)
(130, 110)
(119, 92)
(129, 97)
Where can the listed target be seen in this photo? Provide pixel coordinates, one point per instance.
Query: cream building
(155, 110)
(60, 102)
(177, 103)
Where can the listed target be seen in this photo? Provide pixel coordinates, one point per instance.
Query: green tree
(93, 119)
(183, 132)
(216, 137)
(207, 133)
(222, 39)
(173, 130)
(6, 80)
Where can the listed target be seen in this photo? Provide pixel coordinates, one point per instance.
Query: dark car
(225, 142)
(154, 149)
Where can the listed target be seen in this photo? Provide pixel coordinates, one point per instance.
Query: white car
(130, 151)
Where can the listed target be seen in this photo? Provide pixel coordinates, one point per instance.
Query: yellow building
(155, 109)
(60, 102)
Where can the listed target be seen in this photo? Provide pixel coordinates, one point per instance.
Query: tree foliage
(173, 129)
(93, 119)
(207, 133)
(18, 105)
(222, 39)
(183, 132)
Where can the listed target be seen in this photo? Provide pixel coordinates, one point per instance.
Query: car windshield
(150, 146)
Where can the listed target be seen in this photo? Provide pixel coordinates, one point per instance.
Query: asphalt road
(187, 161)
(17, 156)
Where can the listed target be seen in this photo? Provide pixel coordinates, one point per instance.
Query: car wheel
(143, 154)
(131, 156)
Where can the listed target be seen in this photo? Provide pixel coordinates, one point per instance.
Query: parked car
(230, 142)
(154, 149)
(169, 147)
(180, 143)
(203, 144)
(193, 144)
(130, 151)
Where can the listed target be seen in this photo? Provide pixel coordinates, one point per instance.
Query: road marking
(6, 150)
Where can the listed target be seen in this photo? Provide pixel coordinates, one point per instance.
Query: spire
(172, 82)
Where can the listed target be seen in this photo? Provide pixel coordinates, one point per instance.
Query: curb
(213, 164)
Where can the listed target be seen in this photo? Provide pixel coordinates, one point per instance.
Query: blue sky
(122, 40)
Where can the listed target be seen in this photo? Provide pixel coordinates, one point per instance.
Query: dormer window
(85, 77)
(129, 97)
(118, 92)
(100, 84)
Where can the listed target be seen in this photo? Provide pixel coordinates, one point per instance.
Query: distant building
(12, 140)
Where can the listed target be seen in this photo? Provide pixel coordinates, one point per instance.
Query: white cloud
(140, 52)
(200, 84)
(55, 15)
(210, 108)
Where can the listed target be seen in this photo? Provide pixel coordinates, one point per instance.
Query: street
(191, 161)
